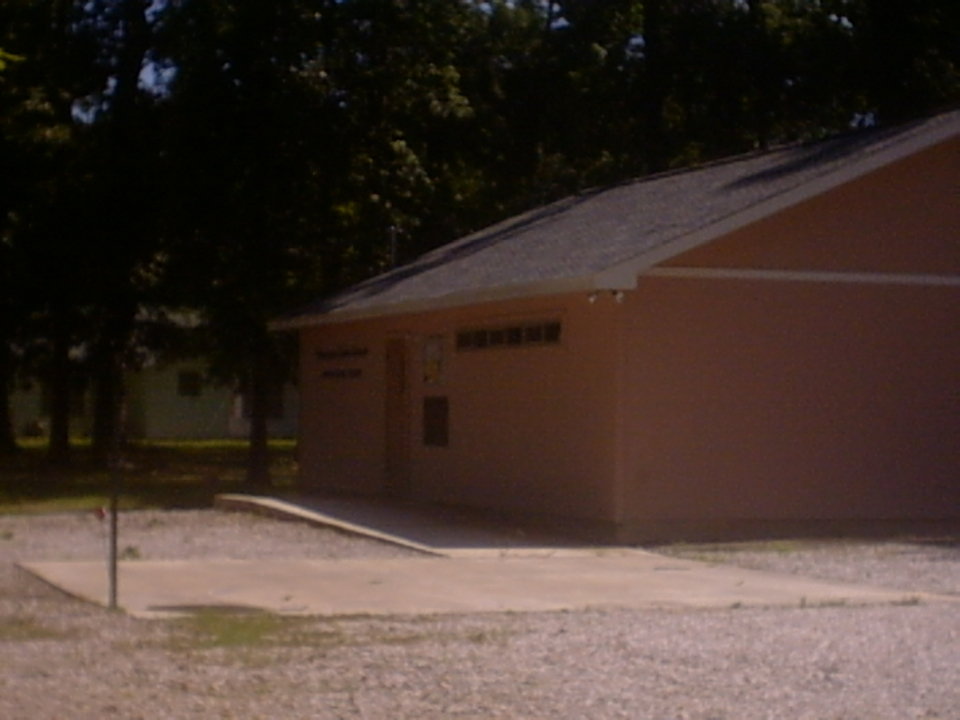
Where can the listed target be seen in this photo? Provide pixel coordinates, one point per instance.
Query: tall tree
(125, 147)
(39, 129)
(84, 226)
(910, 55)
(8, 273)
(240, 157)
(305, 131)
(393, 81)
(247, 138)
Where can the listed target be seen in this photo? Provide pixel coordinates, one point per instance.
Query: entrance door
(397, 394)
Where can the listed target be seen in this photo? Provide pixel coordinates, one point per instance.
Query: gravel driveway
(63, 659)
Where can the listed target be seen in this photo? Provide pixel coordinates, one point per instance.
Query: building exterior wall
(531, 427)
(786, 403)
(755, 402)
(341, 445)
(821, 394)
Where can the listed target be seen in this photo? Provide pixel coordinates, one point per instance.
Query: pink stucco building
(766, 345)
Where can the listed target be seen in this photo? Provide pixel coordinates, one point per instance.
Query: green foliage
(26, 629)
(6, 58)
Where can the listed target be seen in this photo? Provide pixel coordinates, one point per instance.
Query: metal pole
(115, 466)
(114, 508)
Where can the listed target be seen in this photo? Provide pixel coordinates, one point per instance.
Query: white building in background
(169, 401)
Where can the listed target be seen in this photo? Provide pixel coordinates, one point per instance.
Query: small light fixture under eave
(592, 297)
(618, 296)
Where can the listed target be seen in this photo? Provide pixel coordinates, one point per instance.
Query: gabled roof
(602, 239)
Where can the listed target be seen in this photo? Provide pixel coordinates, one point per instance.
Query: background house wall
(178, 401)
(282, 422)
(161, 405)
(773, 403)
(531, 428)
(27, 411)
(30, 411)
(164, 402)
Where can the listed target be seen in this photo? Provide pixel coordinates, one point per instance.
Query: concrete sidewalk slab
(628, 579)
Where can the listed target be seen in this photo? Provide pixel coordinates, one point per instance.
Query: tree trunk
(8, 441)
(108, 370)
(120, 309)
(59, 388)
(258, 463)
(107, 390)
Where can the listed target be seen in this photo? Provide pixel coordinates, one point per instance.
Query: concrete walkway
(465, 569)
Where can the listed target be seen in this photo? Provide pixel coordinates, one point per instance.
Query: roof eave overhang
(559, 286)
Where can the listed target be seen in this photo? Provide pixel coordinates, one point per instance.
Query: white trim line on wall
(819, 276)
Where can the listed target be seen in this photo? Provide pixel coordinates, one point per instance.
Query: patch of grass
(25, 629)
(826, 603)
(130, 552)
(908, 601)
(780, 547)
(216, 628)
(249, 630)
(704, 550)
(725, 552)
(170, 474)
(18, 505)
(485, 637)
(708, 557)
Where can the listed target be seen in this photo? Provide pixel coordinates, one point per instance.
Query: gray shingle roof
(603, 238)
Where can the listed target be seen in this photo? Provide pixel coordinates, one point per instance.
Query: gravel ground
(63, 659)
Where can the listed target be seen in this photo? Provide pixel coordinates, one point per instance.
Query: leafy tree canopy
(240, 158)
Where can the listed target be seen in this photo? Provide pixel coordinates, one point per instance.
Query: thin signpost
(113, 589)
(116, 466)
